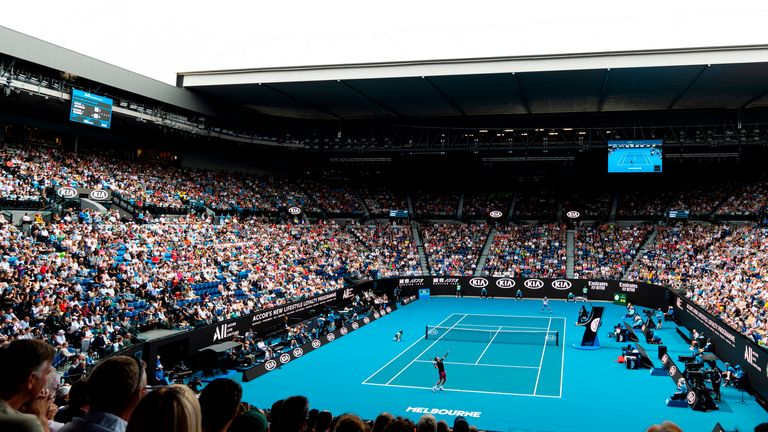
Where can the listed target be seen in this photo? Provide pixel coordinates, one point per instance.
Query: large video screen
(91, 109)
(637, 156)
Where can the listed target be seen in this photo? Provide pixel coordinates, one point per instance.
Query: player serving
(438, 362)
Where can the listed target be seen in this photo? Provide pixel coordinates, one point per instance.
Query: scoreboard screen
(637, 156)
(91, 109)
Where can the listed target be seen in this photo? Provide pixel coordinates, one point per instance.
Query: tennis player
(438, 362)
(545, 305)
(398, 336)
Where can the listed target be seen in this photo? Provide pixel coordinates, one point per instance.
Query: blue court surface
(634, 160)
(510, 368)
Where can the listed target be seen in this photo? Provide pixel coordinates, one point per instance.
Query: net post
(557, 338)
(426, 333)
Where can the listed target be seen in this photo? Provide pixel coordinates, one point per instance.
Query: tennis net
(523, 337)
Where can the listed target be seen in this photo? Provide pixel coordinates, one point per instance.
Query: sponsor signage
(99, 195)
(294, 210)
(294, 308)
(227, 331)
(561, 284)
(67, 192)
(287, 357)
(533, 284)
(445, 281)
(573, 214)
(478, 282)
(505, 283)
(495, 214)
(444, 412)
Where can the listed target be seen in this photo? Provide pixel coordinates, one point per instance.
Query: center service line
(488, 346)
(541, 362)
(426, 349)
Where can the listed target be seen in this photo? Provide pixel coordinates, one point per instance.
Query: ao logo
(561, 284)
(595, 325)
(316, 343)
(270, 365)
(98, 194)
(67, 192)
(478, 282)
(388, 309)
(495, 214)
(534, 284)
(355, 326)
(366, 320)
(573, 214)
(679, 303)
(343, 331)
(298, 352)
(294, 210)
(285, 358)
(331, 337)
(615, 297)
(376, 315)
(691, 397)
(672, 370)
(505, 283)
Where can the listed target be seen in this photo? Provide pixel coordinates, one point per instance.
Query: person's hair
(460, 424)
(78, 394)
(172, 408)
(442, 426)
(249, 421)
(324, 419)
(350, 423)
(382, 420)
(762, 427)
(114, 383)
(666, 426)
(400, 424)
(427, 423)
(293, 413)
(219, 402)
(18, 360)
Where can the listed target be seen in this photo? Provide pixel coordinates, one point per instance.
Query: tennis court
(641, 160)
(492, 354)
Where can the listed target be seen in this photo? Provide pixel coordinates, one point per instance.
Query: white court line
(518, 316)
(541, 362)
(562, 362)
(404, 351)
(482, 364)
(489, 345)
(426, 349)
(464, 391)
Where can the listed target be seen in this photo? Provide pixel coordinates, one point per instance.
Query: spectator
(427, 423)
(78, 403)
(172, 408)
(323, 423)
(219, 402)
(350, 423)
(115, 387)
(293, 414)
(26, 365)
(382, 421)
(250, 421)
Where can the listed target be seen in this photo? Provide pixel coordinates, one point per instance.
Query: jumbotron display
(638, 156)
(91, 109)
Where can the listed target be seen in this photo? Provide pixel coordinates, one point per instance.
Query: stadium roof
(675, 79)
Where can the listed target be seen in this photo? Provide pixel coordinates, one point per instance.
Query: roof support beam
(754, 99)
(372, 100)
(601, 102)
(294, 98)
(523, 98)
(445, 97)
(690, 84)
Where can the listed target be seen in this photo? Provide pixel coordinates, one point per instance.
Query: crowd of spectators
(642, 205)
(749, 199)
(590, 205)
(380, 200)
(391, 250)
(535, 205)
(453, 249)
(605, 251)
(478, 205)
(435, 204)
(700, 201)
(527, 251)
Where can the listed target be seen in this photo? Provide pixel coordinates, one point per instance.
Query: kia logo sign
(665, 359)
(99, 194)
(67, 192)
(561, 284)
(505, 283)
(270, 365)
(285, 358)
(376, 315)
(478, 282)
(294, 210)
(366, 320)
(330, 337)
(355, 326)
(691, 397)
(672, 370)
(534, 283)
(343, 331)
(495, 214)
(573, 214)
(388, 309)
(316, 343)
(298, 352)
